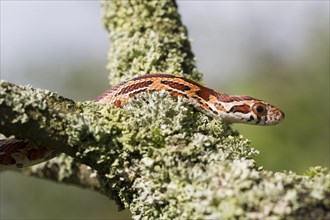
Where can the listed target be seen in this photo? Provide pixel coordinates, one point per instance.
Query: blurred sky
(62, 46)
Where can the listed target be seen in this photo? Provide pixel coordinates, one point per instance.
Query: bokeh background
(273, 50)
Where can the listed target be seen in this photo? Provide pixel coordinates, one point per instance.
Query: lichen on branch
(147, 37)
(161, 158)
(47, 119)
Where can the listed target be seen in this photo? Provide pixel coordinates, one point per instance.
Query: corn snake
(16, 153)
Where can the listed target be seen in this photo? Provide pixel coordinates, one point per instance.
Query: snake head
(248, 110)
(263, 113)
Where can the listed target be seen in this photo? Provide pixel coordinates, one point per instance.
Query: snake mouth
(275, 116)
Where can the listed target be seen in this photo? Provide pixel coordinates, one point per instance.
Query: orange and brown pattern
(232, 109)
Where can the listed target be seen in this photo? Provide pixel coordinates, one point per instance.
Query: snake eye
(259, 109)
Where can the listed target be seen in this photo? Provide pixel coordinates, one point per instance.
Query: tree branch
(159, 157)
(65, 169)
(147, 37)
(51, 120)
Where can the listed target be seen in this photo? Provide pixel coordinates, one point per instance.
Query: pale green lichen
(63, 165)
(171, 160)
(147, 37)
(162, 159)
(15, 100)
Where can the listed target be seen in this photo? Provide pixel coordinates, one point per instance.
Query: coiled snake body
(232, 109)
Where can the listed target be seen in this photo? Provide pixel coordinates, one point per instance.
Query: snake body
(231, 109)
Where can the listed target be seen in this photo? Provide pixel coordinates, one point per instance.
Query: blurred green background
(277, 51)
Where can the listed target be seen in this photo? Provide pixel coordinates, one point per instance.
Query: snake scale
(16, 153)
